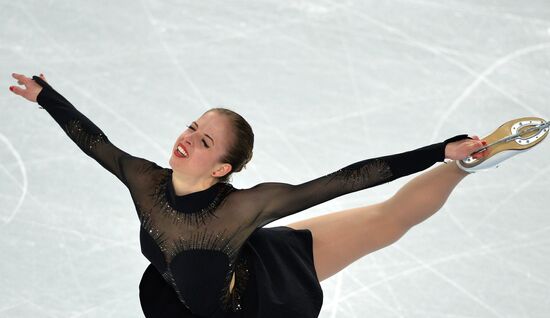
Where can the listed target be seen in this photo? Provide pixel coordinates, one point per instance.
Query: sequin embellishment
(204, 239)
(81, 136)
(233, 301)
(190, 218)
(371, 172)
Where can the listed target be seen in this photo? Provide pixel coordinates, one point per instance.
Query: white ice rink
(324, 84)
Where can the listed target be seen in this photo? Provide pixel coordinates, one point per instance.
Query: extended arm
(86, 135)
(277, 200)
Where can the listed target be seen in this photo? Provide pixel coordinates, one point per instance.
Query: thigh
(340, 238)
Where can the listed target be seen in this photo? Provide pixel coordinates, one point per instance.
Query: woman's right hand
(31, 90)
(461, 149)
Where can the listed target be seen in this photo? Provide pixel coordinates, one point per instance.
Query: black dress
(197, 241)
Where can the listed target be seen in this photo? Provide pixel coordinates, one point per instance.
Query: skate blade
(515, 135)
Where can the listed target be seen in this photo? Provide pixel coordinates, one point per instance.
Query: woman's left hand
(462, 149)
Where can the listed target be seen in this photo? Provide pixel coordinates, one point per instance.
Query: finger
(481, 154)
(17, 90)
(21, 79)
(475, 145)
(18, 76)
(43, 77)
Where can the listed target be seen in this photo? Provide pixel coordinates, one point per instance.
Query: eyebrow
(204, 134)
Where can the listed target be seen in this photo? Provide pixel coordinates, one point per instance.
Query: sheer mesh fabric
(194, 240)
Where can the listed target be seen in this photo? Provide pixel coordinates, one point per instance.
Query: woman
(210, 255)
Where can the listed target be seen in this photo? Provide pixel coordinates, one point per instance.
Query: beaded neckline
(193, 208)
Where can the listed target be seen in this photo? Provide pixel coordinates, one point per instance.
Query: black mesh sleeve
(89, 138)
(280, 199)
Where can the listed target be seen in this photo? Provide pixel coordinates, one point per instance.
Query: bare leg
(340, 238)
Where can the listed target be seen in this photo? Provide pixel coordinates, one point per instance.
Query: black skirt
(282, 281)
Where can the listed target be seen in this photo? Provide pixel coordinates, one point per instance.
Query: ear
(222, 170)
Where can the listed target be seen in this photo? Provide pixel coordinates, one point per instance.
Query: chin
(171, 161)
(177, 164)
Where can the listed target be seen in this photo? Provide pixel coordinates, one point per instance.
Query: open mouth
(181, 151)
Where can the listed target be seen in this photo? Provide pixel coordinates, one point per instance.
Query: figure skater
(211, 255)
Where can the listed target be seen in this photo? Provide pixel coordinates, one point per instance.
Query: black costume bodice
(194, 240)
(197, 260)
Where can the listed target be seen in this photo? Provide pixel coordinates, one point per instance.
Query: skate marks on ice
(483, 77)
(6, 216)
(325, 77)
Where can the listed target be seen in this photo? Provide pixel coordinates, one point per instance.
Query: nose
(188, 138)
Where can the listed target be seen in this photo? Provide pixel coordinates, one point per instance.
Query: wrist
(446, 150)
(40, 97)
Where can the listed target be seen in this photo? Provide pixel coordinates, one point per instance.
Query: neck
(184, 185)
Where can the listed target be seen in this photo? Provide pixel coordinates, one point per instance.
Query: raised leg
(340, 238)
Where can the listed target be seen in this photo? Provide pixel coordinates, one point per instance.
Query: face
(204, 142)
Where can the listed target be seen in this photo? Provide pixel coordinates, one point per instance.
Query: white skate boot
(511, 138)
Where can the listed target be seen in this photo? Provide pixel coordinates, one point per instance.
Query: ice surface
(324, 84)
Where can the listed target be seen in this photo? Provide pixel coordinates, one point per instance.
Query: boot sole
(511, 127)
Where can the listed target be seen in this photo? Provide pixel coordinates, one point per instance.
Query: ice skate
(511, 138)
